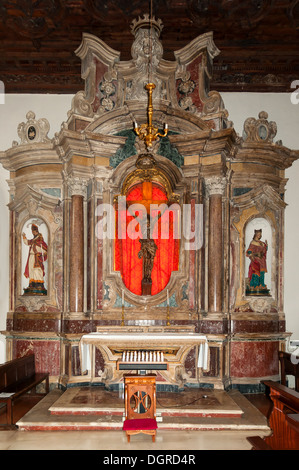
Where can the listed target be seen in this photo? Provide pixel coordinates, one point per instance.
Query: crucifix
(148, 247)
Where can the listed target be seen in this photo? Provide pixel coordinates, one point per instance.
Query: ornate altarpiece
(61, 185)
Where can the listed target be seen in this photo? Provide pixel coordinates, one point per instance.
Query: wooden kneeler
(140, 405)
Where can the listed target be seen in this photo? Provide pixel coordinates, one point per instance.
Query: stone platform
(191, 402)
(94, 408)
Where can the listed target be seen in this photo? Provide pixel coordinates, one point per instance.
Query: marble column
(215, 187)
(77, 189)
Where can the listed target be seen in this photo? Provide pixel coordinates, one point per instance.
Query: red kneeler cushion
(140, 424)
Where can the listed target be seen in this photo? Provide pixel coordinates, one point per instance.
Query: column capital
(76, 185)
(215, 185)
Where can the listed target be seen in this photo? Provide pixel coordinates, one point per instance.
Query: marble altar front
(173, 346)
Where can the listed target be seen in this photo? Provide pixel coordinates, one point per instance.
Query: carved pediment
(184, 82)
(262, 197)
(34, 147)
(32, 199)
(259, 130)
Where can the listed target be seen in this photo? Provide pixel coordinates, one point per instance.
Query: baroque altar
(163, 350)
(171, 245)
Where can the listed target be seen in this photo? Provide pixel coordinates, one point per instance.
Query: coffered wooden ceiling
(258, 39)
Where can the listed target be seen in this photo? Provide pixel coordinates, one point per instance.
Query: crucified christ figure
(148, 253)
(148, 247)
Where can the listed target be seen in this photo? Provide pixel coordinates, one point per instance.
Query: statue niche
(257, 254)
(34, 259)
(146, 246)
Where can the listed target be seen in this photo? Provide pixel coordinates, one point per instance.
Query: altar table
(173, 346)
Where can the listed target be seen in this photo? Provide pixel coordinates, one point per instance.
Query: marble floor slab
(40, 417)
(190, 402)
(116, 441)
(45, 431)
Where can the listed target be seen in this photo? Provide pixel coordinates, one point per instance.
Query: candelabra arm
(148, 132)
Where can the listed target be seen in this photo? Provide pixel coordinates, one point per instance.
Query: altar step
(191, 402)
(92, 409)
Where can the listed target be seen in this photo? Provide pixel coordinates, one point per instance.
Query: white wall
(14, 111)
(240, 106)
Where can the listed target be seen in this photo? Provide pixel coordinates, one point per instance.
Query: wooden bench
(289, 367)
(18, 377)
(283, 420)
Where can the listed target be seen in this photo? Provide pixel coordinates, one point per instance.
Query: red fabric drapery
(126, 250)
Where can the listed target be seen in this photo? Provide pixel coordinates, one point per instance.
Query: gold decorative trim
(147, 170)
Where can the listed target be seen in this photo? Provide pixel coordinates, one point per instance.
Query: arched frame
(170, 177)
(260, 204)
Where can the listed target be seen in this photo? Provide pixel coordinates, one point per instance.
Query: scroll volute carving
(33, 130)
(259, 130)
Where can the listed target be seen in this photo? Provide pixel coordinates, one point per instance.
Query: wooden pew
(18, 377)
(288, 367)
(283, 420)
(293, 420)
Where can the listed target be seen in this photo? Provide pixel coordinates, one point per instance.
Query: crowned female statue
(257, 253)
